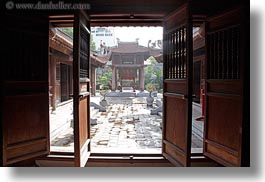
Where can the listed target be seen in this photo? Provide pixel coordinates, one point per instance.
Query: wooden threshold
(128, 160)
(122, 160)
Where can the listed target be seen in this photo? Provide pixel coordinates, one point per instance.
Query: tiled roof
(129, 47)
(98, 60)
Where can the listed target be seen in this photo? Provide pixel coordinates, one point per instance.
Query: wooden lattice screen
(176, 61)
(223, 53)
(84, 51)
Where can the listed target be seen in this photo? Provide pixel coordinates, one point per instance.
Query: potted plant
(150, 88)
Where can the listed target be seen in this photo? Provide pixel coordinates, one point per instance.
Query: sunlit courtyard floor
(126, 127)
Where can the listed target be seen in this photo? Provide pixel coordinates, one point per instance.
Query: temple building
(60, 66)
(128, 64)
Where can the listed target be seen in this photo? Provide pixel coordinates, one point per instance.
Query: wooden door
(177, 87)
(81, 88)
(226, 138)
(24, 88)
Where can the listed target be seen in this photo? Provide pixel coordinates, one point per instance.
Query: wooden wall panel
(175, 156)
(228, 157)
(176, 121)
(25, 121)
(226, 138)
(172, 87)
(26, 150)
(25, 118)
(28, 122)
(22, 64)
(224, 86)
(224, 114)
(83, 120)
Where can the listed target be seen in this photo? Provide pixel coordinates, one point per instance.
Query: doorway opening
(61, 88)
(126, 90)
(198, 100)
(121, 119)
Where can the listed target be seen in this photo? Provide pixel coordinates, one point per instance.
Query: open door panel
(81, 88)
(226, 129)
(177, 86)
(24, 89)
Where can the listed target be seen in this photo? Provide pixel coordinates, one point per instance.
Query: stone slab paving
(60, 119)
(197, 128)
(127, 123)
(125, 127)
(65, 139)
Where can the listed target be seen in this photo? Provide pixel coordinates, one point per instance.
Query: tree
(105, 79)
(153, 74)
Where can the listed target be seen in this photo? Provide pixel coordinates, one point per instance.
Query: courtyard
(126, 126)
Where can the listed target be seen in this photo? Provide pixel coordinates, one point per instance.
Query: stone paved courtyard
(125, 127)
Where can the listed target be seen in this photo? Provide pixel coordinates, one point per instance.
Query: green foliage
(154, 74)
(153, 60)
(105, 79)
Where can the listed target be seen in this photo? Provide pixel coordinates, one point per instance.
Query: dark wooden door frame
(81, 88)
(178, 64)
(231, 85)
